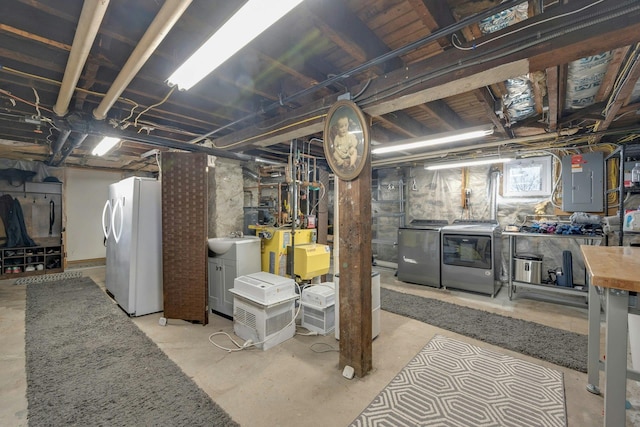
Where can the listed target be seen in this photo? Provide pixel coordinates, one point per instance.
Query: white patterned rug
(451, 383)
(54, 277)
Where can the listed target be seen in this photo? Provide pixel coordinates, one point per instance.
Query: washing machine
(419, 252)
(471, 256)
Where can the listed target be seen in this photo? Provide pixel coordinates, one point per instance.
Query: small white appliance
(322, 294)
(132, 226)
(264, 288)
(318, 308)
(264, 309)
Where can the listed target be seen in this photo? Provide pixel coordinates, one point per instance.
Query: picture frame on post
(346, 139)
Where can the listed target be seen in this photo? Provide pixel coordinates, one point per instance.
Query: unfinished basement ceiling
(541, 72)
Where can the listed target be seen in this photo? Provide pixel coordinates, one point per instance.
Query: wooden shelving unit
(31, 261)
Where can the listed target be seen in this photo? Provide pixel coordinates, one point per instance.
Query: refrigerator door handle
(106, 222)
(117, 233)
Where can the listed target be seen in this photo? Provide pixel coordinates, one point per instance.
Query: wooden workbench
(616, 269)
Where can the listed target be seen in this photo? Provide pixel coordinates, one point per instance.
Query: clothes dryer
(419, 252)
(471, 254)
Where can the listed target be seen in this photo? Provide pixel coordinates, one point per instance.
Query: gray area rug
(457, 384)
(89, 364)
(562, 348)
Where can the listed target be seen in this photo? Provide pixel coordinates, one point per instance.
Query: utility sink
(221, 245)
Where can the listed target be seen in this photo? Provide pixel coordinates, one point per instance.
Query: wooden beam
(355, 272)
(586, 112)
(621, 97)
(487, 102)
(612, 72)
(553, 98)
(31, 60)
(435, 14)
(404, 124)
(441, 111)
(34, 37)
(563, 71)
(346, 30)
(539, 89)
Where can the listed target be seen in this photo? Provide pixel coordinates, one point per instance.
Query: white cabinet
(241, 259)
(222, 272)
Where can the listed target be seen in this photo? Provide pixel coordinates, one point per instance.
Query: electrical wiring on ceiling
(310, 119)
(135, 122)
(17, 98)
(455, 41)
(14, 71)
(123, 124)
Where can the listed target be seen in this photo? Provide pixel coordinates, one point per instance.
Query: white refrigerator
(132, 225)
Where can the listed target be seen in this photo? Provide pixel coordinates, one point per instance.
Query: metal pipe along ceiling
(90, 18)
(157, 31)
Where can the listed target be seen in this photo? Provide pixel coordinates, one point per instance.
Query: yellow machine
(274, 243)
(311, 259)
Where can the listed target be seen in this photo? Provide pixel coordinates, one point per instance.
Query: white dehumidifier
(318, 308)
(264, 309)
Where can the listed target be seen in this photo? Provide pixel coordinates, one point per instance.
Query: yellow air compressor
(310, 260)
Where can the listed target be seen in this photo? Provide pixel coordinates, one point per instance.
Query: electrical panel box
(583, 182)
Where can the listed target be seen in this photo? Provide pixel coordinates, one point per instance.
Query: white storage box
(321, 295)
(267, 326)
(264, 288)
(319, 319)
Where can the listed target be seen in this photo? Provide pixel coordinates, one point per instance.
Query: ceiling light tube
(437, 139)
(107, 143)
(463, 163)
(249, 22)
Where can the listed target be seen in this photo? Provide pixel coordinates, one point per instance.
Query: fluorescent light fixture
(461, 164)
(247, 23)
(437, 139)
(107, 143)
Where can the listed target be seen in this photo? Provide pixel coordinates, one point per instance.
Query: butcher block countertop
(615, 267)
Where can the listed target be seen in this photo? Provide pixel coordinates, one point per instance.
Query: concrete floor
(298, 382)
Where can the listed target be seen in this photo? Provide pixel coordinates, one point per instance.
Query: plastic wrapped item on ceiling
(504, 19)
(518, 101)
(584, 77)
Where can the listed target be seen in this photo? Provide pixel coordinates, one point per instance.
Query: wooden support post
(355, 272)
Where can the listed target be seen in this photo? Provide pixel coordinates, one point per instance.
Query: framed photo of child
(346, 140)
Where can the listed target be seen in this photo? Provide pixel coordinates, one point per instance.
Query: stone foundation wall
(225, 198)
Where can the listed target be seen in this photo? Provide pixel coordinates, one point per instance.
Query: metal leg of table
(615, 388)
(510, 267)
(593, 345)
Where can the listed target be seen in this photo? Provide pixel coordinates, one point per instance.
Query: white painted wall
(85, 192)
